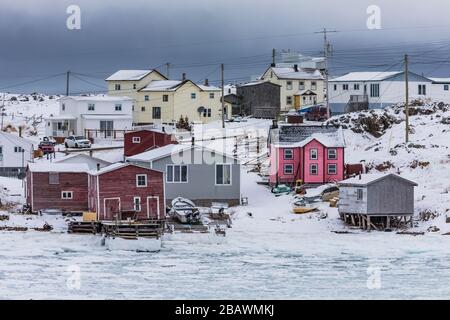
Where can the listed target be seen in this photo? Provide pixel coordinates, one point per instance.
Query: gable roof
(290, 73)
(257, 83)
(441, 80)
(58, 167)
(174, 85)
(15, 139)
(97, 98)
(372, 76)
(131, 75)
(116, 166)
(81, 155)
(368, 179)
(292, 136)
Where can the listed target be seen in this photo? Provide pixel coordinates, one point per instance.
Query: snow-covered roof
(15, 139)
(159, 153)
(258, 82)
(367, 179)
(294, 136)
(441, 80)
(129, 75)
(163, 85)
(97, 98)
(115, 166)
(209, 88)
(229, 89)
(366, 76)
(79, 155)
(61, 117)
(58, 167)
(107, 116)
(301, 74)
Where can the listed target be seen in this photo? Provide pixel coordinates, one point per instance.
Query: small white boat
(138, 245)
(185, 210)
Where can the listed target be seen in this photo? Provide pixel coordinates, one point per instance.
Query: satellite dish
(201, 109)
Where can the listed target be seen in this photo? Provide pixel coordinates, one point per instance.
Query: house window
(314, 169)
(146, 98)
(375, 90)
(137, 204)
(207, 113)
(332, 155)
(166, 98)
(422, 90)
(66, 195)
(136, 139)
(118, 107)
(117, 86)
(335, 87)
(359, 194)
(134, 86)
(356, 86)
(211, 95)
(301, 85)
(91, 107)
(193, 95)
(63, 107)
(313, 154)
(288, 154)
(156, 112)
(143, 109)
(141, 180)
(289, 85)
(177, 174)
(53, 178)
(223, 174)
(332, 168)
(288, 100)
(18, 149)
(445, 87)
(345, 87)
(288, 169)
(313, 85)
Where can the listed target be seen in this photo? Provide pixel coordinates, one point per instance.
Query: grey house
(382, 197)
(194, 172)
(260, 99)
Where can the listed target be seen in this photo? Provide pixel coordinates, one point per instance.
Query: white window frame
(117, 87)
(53, 174)
(335, 169)
(446, 87)
(231, 174)
(301, 85)
(422, 90)
(356, 86)
(329, 156)
(136, 140)
(314, 85)
(360, 194)
(18, 149)
(193, 95)
(137, 181)
(288, 165)
(67, 193)
(146, 97)
(171, 167)
(345, 87)
(165, 98)
(311, 165)
(374, 90)
(118, 107)
(91, 106)
(137, 209)
(289, 100)
(211, 95)
(291, 156)
(311, 154)
(288, 85)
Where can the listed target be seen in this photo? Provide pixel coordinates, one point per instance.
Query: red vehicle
(317, 113)
(47, 147)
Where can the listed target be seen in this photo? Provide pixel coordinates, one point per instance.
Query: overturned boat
(185, 211)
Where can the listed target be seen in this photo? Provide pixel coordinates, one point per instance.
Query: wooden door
(153, 208)
(112, 209)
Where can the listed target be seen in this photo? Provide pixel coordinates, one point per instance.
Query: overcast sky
(117, 34)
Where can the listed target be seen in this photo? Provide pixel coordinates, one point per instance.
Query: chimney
(296, 67)
(183, 76)
(193, 141)
(20, 132)
(98, 166)
(206, 82)
(360, 176)
(164, 129)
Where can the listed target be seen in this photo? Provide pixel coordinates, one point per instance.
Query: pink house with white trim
(313, 154)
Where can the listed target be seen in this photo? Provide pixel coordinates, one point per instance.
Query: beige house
(165, 101)
(300, 88)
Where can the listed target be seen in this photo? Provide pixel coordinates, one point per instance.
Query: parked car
(77, 142)
(49, 140)
(317, 113)
(46, 146)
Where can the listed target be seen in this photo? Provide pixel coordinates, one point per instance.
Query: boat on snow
(185, 211)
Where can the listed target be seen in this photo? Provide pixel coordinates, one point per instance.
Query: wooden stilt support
(368, 223)
(388, 222)
(353, 220)
(359, 220)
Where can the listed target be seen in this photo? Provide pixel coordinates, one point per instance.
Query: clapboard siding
(149, 140)
(390, 196)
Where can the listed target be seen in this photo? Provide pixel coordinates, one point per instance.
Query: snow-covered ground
(269, 253)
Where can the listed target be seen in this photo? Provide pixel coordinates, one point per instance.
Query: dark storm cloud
(34, 40)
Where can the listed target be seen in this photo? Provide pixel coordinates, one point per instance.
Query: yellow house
(300, 88)
(166, 101)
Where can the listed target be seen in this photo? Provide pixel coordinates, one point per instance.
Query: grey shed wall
(201, 187)
(260, 100)
(390, 196)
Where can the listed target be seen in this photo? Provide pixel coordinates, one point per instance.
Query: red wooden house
(312, 154)
(123, 190)
(139, 141)
(60, 186)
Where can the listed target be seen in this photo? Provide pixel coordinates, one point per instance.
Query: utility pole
(274, 52)
(67, 82)
(3, 110)
(406, 99)
(326, 50)
(168, 70)
(222, 67)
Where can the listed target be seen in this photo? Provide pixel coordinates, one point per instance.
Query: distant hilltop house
(160, 100)
(15, 154)
(376, 198)
(367, 90)
(300, 87)
(312, 154)
(106, 117)
(261, 99)
(195, 172)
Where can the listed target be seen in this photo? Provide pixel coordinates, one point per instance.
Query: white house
(440, 89)
(94, 116)
(15, 153)
(375, 89)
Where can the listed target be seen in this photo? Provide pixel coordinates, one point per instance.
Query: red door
(111, 209)
(153, 208)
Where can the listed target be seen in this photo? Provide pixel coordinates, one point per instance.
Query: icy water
(36, 265)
